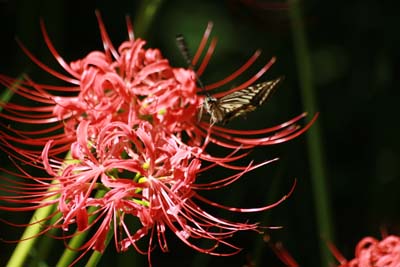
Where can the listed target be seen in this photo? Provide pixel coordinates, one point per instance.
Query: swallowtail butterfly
(226, 108)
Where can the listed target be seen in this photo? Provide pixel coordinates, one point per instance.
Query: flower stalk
(316, 155)
(29, 237)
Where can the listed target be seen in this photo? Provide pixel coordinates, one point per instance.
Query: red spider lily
(371, 252)
(130, 123)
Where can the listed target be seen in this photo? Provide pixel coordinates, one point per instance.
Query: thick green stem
(96, 256)
(31, 233)
(76, 242)
(316, 156)
(29, 237)
(47, 241)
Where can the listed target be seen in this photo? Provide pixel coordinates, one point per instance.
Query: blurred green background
(354, 56)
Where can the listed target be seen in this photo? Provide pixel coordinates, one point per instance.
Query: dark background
(354, 51)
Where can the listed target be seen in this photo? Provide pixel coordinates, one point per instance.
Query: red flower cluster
(129, 120)
(371, 252)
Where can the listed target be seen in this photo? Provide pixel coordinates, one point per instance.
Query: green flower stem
(317, 162)
(69, 255)
(96, 256)
(46, 241)
(29, 237)
(145, 16)
(7, 94)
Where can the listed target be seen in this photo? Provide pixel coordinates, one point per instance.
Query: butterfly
(236, 104)
(224, 109)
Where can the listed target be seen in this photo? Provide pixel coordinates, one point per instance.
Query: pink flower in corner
(371, 252)
(130, 122)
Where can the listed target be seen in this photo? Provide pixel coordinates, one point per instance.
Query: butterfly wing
(245, 100)
(264, 90)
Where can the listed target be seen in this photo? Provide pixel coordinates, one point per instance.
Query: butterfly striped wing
(240, 102)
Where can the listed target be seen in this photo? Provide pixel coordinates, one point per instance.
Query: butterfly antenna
(183, 47)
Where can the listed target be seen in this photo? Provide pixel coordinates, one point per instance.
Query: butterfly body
(226, 108)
